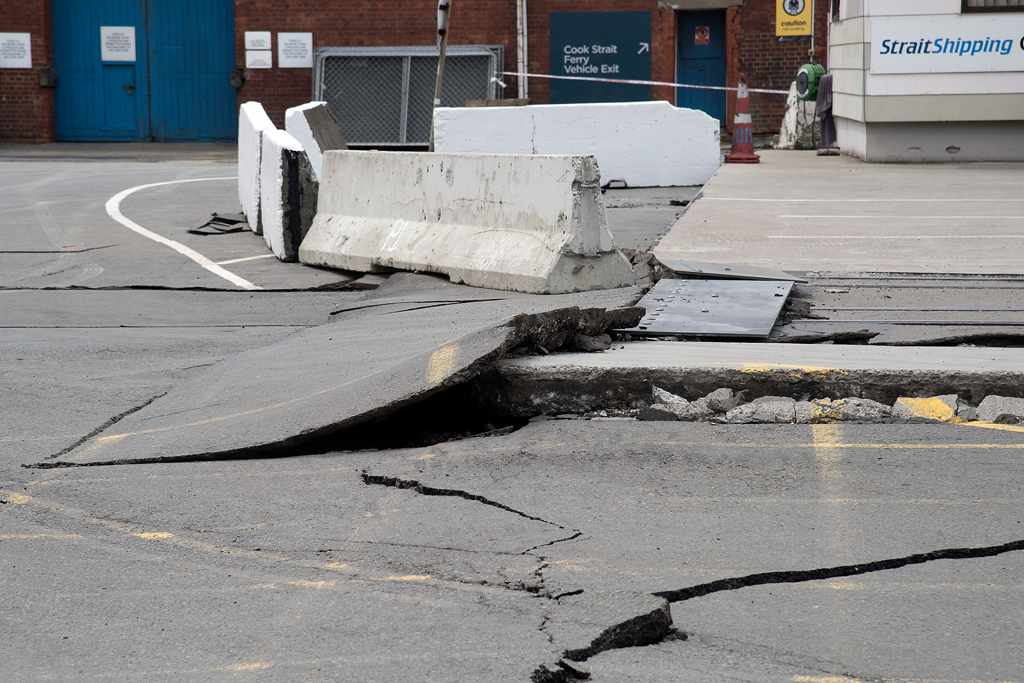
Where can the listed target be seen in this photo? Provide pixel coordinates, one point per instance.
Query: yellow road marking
(15, 498)
(767, 367)
(993, 425)
(928, 408)
(441, 363)
(29, 537)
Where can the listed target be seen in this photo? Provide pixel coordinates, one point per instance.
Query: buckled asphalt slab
(364, 364)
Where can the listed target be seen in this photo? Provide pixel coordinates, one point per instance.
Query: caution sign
(793, 18)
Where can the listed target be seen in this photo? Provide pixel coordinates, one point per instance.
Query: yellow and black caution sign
(793, 18)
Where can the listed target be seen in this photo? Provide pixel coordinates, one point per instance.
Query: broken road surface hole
(448, 415)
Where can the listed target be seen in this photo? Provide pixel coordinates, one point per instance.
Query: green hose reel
(807, 81)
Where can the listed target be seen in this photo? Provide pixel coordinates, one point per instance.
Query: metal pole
(444, 13)
(812, 32)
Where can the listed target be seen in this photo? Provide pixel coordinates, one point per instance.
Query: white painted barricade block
(526, 223)
(252, 121)
(313, 125)
(643, 144)
(288, 193)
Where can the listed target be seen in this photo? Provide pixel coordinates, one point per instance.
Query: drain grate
(711, 308)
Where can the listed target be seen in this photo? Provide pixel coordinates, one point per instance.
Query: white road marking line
(840, 201)
(797, 215)
(893, 237)
(247, 258)
(114, 211)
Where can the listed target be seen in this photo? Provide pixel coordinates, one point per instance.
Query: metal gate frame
(495, 54)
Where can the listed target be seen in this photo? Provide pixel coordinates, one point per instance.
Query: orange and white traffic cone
(743, 132)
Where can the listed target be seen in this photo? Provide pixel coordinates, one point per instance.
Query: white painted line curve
(244, 258)
(114, 211)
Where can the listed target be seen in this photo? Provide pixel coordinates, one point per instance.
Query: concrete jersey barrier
(252, 121)
(512, 222)
(642, 144)
(313, 125)
(288, 193)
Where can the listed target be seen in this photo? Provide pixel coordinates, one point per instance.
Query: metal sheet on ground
(713, 308)
(727, 271)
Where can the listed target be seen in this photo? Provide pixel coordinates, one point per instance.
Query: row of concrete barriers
(528, 221)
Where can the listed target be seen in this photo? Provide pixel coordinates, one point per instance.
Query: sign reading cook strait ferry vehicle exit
(948, 45)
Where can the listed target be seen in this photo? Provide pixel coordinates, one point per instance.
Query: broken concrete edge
(549, 329)
(517, 390)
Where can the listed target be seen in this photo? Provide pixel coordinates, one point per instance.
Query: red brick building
(147, 99)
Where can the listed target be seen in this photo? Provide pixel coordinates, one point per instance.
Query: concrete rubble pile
(728, 407)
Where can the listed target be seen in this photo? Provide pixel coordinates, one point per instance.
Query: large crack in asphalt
(651, 628)
(395, 482)
(835, 572)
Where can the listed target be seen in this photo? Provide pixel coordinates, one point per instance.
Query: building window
(835, 10)
(992, 6)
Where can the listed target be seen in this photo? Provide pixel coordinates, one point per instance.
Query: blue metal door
(98, 100)
(191, 57)
(700, 37)
(178, 87)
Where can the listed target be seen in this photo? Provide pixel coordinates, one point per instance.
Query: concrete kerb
(526, 223)
(641, 144)
(288, 193)
(252, 122)
(916, 385)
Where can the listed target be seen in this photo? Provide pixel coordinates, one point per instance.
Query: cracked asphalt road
(481, 559)
(308, 568)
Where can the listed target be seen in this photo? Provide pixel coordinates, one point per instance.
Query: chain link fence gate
(383, 96)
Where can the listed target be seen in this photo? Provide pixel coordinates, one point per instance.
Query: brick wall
(361, 23)
(365, 23)
(26, 109)
(769, 63)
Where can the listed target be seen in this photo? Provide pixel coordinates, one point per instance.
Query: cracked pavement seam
(654, 626)
(106, 425)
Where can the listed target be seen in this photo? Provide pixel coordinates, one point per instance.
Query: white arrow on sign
(644, 47)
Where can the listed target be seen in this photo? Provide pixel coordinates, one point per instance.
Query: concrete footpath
(800, 212)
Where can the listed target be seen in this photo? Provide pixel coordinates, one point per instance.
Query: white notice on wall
(257, 40)
(15, 50)
(117, 43)
(259, 59)
(295, 50)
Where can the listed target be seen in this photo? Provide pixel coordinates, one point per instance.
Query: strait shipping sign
(947, 45)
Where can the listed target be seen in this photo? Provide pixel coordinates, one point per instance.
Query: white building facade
(928, 80)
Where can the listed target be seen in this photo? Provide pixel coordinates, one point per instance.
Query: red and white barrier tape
(632, 82)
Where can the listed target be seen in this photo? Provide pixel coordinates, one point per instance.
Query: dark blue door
(178, 86)
(700, 37)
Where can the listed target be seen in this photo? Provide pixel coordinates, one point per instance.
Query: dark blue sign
(601, 45)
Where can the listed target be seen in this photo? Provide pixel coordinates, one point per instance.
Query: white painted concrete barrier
(288, 193)
(643, 144)
(252, 121)
(524, 223)
(313, 125)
